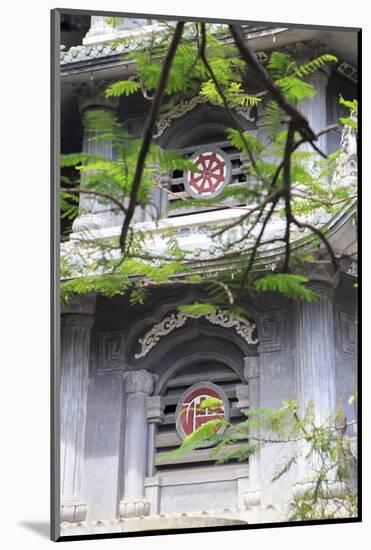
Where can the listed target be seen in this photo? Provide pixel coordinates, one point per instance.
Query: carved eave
(194, 232)
(340, 231)
(107, 46)
(244, 327)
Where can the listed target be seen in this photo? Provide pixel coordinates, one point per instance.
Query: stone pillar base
(252, 497)
(333, 489)
(73, 511)
(132, 507)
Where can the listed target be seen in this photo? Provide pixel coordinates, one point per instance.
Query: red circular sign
(189, 414)
(210, 178)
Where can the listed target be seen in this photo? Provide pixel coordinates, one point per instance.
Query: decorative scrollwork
(222, 317)
(187, 105)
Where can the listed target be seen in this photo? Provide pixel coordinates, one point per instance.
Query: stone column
(315, 352)
(252, 374)
(276, 382)
(138, 386)
(315, 360)
(155, 416)
(95, 212)
(314, 109)
(76, 323)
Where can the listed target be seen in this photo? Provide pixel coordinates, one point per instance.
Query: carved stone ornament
(155, 409)
(187, 105)
(139, 381)
(131, 507)
(76, 320)
(190, 415)
(348, 332)
(271, 330)
(92, 94)
(81, 304)
(222, 317)
(112, 351)
(214, 173)
(73, 510)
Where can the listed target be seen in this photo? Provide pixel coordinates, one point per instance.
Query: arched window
(168, 438)
(202, 135)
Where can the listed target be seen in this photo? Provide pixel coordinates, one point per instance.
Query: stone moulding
(222, 317)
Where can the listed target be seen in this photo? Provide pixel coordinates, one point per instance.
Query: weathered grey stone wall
(104, 444)
(345, 320)
(277, 383)
(275, 380)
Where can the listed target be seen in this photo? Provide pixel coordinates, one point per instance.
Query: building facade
(126, 368)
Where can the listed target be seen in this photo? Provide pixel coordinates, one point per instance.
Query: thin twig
(254, 250)
(273, 196)
(222, 95)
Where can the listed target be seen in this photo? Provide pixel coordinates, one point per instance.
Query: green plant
(281, 180)
(328, 449)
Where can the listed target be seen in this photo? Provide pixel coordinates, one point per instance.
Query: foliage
(122, 87)
(291, 286)
(290, 77)
(328, 450)
(197, 309)
(281, 181)
(102, 265)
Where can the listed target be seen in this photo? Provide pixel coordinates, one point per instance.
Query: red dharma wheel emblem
(190, 415)
(212, 175)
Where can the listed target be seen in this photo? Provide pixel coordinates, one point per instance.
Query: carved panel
(272, 330)
(348, 332)
(111, 351)
(244, 327)
(187, 105)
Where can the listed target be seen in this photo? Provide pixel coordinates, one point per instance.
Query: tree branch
(255, 249)
(287, 188)
(221, 93)
(148, 130)
(321, 236)
(301, 123)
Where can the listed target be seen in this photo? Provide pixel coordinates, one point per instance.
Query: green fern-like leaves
(114, 21)
(315, 65)
(233, 92)
(198, 309)
(279, 64)
(295, 89)
(288, 284)
(122, 87)
(203, 434)
(289, 77)
(351, 105)
(234, 136)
